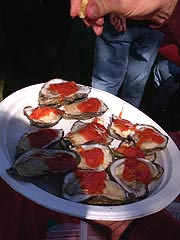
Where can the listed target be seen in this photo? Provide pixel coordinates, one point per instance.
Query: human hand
(97, 25)
(110, 230)
(118, 21)
(156, 11)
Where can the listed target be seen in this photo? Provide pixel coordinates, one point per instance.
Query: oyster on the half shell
(130, 149)
(85, 109)
(58, 92)
(121, 128)
(135, 174)
(38, 162)
(84, 185)
(94, 156)
(43, 117)
(149, 139)
(41, 138)
(82, 133)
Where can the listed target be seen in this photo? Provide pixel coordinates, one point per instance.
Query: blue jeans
(164, 105)
(125, 59)
(166, 79)
(164, 70)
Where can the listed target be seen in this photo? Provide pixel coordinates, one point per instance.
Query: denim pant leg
(163, 70)
(165, 78)
(110, 65)
(141, 58)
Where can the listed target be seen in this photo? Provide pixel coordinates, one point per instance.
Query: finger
(75, 7)
(119, 27)
(123, 22)
(90, 22)
(100, 22)
(97, 29)
(96, 9)
(97, 26)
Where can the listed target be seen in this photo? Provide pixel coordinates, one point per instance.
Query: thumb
(98, 8)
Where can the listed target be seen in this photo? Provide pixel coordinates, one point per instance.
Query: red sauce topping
(42, 137)
(135, 170)
(123, 124)
(63, 162)
(92, 182)
(149, 135)
(91, 105)
(94, 132)
(93, 157)
(64, 88)
(130, 151)
(41, 112)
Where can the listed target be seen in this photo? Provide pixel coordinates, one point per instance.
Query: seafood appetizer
(146, 137)
(129, 149)
(135, 174)
(84, 109)
(121, 128)
(99, 161)
(94, 156)
(87, 185)
(42, 138)
(43, 117)
(82, 132)
(37, 162)
(58, 92)
(149, 139)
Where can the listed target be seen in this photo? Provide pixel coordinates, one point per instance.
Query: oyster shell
(82, 133)
(146, 137)
(43, 117)
(59, 92)
(85, 109)
(135, 174)
(41, 138)
(38, 162)
(129, 149)
(149, 139)
(81, 185)
(120, 128)
(94, 156)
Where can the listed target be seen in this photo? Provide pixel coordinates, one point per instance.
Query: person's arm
(110, 230)
(171, 26)
(156, 11)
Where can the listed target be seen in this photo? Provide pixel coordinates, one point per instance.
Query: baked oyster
(146, 137)
(121, 128)
(44, 116)
(42, 138)
(94, 156)
(149, 139)
(38, 162)
(84, 109)
(85, 185)
(82, 133)
(131, 150)
(135, 174)
(58, 92)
